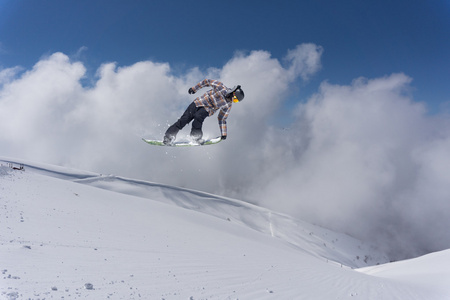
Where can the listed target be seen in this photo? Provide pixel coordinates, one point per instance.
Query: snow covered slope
(71, 234)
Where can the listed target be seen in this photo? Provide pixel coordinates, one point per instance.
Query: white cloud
(99, 127)
(367, 160)
(34, 107)
(7, 75)
(362, 158)
(305, 60)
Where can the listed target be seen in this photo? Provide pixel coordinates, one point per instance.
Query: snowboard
(184, 143)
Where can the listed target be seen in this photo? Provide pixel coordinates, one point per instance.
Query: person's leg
(187, 117)
(199, 116)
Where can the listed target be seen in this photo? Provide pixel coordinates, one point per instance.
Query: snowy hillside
(72, 234)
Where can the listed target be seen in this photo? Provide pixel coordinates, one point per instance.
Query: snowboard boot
(197, 138)
(168, 140)
(199, 141)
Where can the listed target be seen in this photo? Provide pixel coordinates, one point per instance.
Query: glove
(224, 137)
(191, 91)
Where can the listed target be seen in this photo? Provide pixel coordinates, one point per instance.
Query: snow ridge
(311, 239)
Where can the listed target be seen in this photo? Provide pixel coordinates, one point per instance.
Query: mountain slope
(136, 240)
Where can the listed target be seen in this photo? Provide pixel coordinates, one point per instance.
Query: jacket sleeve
(207, 82)
(222, 117)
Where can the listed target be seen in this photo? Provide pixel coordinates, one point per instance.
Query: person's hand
(224, 137)
(191, 91)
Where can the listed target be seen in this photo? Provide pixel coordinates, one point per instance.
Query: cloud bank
(367, 160)
(362, 158)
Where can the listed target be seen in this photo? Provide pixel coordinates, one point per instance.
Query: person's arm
(222, 117)
(207, 82)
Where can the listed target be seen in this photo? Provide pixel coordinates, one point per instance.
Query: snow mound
(4, 170)
(429, 272)
(72, 234)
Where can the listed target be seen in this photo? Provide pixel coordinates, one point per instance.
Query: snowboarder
(218, 98)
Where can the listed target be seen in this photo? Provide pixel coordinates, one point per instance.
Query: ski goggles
(235, 99)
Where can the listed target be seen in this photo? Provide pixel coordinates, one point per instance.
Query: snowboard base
(184, 143)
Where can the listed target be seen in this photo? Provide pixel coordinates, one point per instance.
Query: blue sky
(359, 38)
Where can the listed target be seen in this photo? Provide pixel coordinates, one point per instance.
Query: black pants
(198, 114)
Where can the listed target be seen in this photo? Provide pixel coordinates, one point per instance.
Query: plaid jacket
(214, 100)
